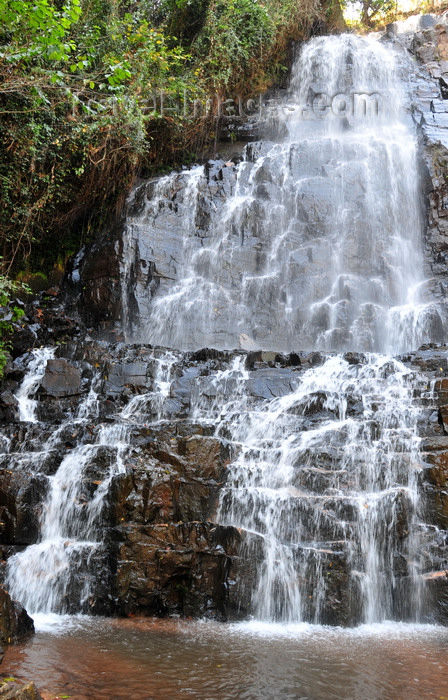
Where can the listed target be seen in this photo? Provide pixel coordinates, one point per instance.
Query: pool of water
(146, 658)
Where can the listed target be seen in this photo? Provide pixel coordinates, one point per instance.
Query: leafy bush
(73, 128)
(37, 30)
(9, 314)
(236, 34)
(77, 81)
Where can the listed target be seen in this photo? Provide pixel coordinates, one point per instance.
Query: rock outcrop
(426, 38)
(19, 691)
(160, 550)
(15, 623)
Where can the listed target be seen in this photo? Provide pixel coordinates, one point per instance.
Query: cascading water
(312, 492)
(311, 243)
(36, 369)
(319, 244)
(41, 576)
(57, 574)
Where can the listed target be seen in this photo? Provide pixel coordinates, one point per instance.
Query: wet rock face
(152, 263)
(168, 557)
(428, 42)
(15, 623)
(162, 552)
(61, 379)
(95, 276)
(173, 568)
(21, 500)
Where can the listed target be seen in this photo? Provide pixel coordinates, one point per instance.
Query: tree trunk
(334, 16)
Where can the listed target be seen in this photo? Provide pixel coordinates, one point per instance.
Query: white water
(319, 244)
(41, 576)
(311, 493)
(36, 370)
(45, 577)
(151, 404)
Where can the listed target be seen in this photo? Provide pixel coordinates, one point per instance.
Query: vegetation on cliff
(93, 92)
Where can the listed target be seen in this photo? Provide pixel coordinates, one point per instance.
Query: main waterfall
(312, 243)
(319, 244)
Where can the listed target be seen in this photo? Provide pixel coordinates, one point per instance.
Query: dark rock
(8, 406)
(99, 277)
(24, 338)
(436, 601)
(268, 384)
(354, 358)
(131, 374)
(173, 568)
(15, 623)
(21, 496)
(61, 379)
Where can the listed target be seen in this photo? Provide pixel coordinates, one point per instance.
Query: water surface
(107, 659)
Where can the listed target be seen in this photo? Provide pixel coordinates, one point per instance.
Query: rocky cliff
(159, 548)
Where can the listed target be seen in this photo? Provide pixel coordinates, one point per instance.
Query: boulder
(15, 623)
(61, 379)
(21, 495)
(17, 691)
(8, 406)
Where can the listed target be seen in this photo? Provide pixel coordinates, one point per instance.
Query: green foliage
(63, 170)
(37, 29)
(9, 314)
(74, 130)
(368, 13)
(184, 19)
(236, 33)
(77, 112)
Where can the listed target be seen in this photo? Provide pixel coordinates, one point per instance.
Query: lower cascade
(292, 466)
(316, 458)
(339, 490)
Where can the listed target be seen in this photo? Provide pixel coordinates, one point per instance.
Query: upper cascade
(313, 242)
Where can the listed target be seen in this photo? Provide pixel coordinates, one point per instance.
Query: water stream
(167, 659)
(338, 489)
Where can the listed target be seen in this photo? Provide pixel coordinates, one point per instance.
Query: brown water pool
(141, 659)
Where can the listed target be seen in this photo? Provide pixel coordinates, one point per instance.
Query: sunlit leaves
(37, 29)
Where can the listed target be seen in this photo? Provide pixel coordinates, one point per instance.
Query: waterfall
(341, 488)
(36, 369)
(42, 576)
(59, 572)
(316, 242)
(311, 243)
